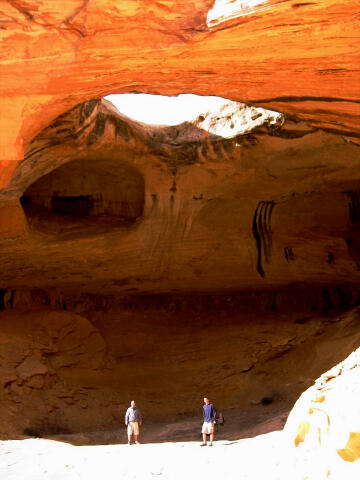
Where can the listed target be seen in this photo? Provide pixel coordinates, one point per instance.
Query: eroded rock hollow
(220, 256)
(139, 246)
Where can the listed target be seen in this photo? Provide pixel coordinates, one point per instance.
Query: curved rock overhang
(298, 58)
(185, 208)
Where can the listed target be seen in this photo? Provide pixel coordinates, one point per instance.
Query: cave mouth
(168, 353)
(85, 194)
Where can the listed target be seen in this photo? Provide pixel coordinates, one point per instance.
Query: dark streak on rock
(86, 109)
(323, 71)
(228, 146)
(337, 131)
(217, 150)
(289, 254)
(327, 302)
(122, 130)
(35, 152)
(173, 187)
(27, 14)
(267, 240)
(353, 246)
(205, 150)
(330, 258)
(175, 155)
(258, 241)
(247, 140)
(172, 201)
(344, 296)
(288, 133)
(2, 299)
(98, 129)
(262, 232)
(304, 4)
(56, 139)
(354, 206)
(304, 98)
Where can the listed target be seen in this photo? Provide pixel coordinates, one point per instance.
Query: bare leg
(211, 437)
(204, 437)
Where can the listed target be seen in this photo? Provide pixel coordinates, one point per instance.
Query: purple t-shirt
(209, 413)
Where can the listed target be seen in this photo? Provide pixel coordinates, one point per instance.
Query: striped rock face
(209, 205)
(238, 198)
(295, 57)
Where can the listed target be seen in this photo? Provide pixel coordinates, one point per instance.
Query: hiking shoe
(211, 444)
(202, 444)
(137, 443)
(129, 443)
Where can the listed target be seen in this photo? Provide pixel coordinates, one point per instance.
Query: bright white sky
(225, 9)
(161, 110)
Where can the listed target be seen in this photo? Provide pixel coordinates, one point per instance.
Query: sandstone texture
(299, 58)
(40, 355)
(71, 364)
(187, 208)
(198, 207)
(217, 257)
(325, 421)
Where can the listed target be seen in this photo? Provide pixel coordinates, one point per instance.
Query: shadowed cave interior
(99, 191)
(168, 263)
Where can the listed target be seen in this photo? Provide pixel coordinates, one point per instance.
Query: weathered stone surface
(183, 208)
(296, 57)
(55, 354)
(251, 352)
(7, 375)
(29, 367)
(325, 422)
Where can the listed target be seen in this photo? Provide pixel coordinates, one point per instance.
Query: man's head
(133, 404)
(206, 400)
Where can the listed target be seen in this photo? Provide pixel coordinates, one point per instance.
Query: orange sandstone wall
(301, 58)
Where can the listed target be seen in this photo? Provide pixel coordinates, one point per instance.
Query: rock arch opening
(86, 192)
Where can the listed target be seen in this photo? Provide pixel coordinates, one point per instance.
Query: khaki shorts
(208, 427)
(133, 428)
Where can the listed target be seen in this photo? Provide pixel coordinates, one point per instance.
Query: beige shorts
(133, 428)
(208, 427)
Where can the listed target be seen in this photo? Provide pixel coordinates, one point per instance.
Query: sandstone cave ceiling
(297, 58)
(238, 198)
(194, 211)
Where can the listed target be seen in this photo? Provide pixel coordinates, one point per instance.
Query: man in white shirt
(133, 419)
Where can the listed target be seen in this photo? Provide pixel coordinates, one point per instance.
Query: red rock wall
(72, 363)
(300, 58)
(174, 209)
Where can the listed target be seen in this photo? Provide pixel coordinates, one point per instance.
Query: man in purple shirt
(209, 414)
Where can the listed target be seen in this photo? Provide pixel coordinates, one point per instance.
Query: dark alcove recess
(85, 194)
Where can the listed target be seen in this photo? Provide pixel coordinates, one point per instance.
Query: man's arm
(127, 417)
(214, 414)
